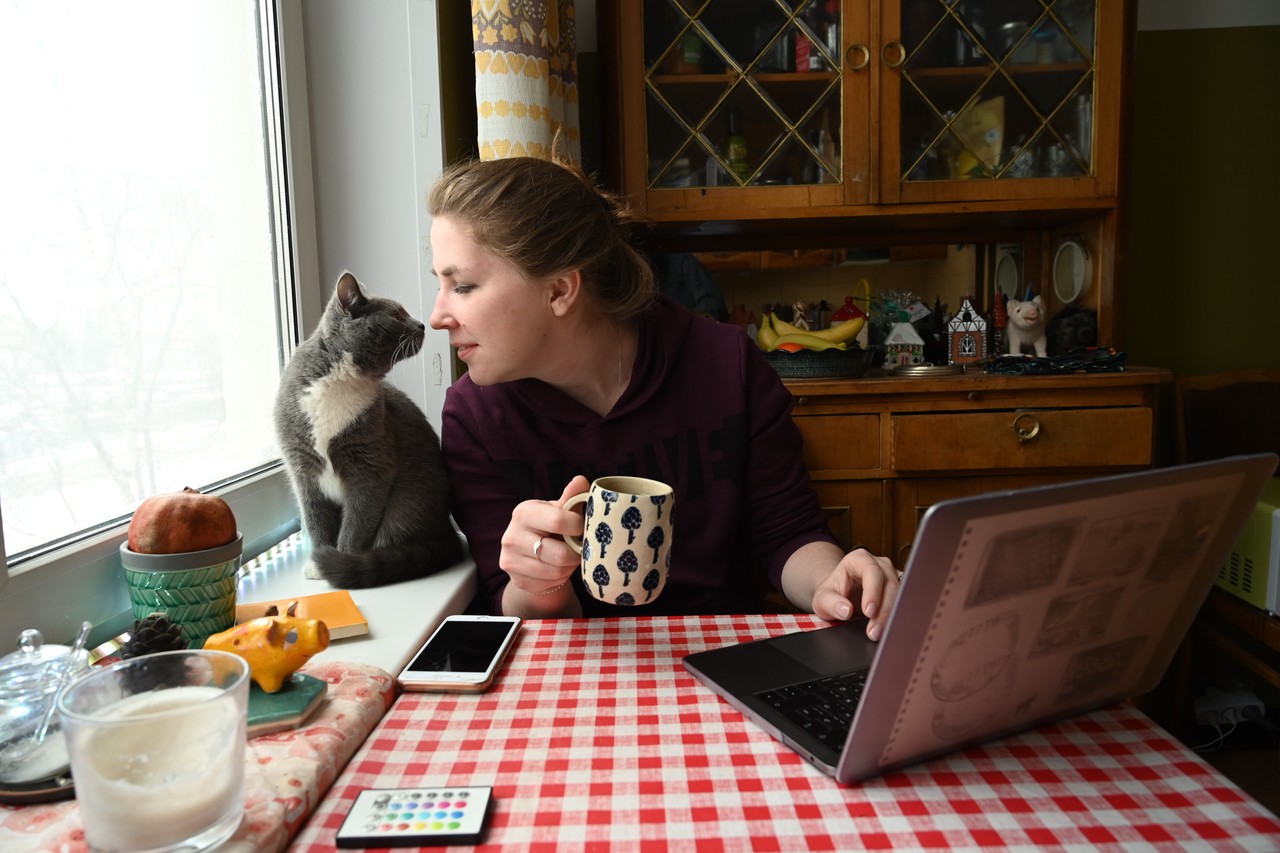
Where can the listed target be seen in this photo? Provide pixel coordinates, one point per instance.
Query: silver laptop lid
(1028, 606)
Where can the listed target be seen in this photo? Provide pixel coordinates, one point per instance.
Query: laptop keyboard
(823, 707)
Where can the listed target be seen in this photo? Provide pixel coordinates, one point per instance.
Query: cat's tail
(388, 564)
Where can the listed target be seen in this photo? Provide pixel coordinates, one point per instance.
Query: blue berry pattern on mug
(631, 521)
(628, 564)
(651, 582)
(601, 577)
(656, 538)
(609, 498)
(658, 501)
(604, 535)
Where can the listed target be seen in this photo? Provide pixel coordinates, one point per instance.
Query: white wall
(373, 99)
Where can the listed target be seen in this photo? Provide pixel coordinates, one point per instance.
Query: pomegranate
(179, 522)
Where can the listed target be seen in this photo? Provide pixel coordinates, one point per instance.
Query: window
(145, 272)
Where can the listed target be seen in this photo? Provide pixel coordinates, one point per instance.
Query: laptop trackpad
(839, 648)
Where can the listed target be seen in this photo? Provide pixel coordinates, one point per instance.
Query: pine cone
(155, 633)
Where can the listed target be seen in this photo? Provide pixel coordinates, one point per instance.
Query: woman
(576, 369)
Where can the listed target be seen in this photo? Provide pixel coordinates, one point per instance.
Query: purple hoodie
(704, 412)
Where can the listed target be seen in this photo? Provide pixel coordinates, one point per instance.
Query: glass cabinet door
(744, 93)
(816, 105)
(991, 91)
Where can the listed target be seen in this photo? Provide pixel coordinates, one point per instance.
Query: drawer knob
(864, 54)
(1026, 426)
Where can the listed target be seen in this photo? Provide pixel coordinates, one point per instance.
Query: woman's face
(496, 319)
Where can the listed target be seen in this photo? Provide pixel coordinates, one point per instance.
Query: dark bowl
(827, 364)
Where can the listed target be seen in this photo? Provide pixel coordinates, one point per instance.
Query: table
(595, 737)
(286, 773)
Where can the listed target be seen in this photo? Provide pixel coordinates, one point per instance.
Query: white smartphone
(462, 655)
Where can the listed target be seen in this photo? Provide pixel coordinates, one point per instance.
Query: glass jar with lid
(29, 682)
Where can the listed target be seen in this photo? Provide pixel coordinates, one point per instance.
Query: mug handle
(575, 542)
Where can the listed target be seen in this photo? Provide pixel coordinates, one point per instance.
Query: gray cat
(365, 464)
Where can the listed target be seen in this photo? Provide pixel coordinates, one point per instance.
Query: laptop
(1016, 608)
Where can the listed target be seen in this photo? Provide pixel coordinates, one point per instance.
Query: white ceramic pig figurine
(1026, 326)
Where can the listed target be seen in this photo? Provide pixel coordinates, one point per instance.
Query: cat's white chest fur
(332, 403)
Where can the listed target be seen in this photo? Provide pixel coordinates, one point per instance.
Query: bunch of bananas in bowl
(776, 334)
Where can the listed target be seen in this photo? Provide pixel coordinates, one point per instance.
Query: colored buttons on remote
(416, 817)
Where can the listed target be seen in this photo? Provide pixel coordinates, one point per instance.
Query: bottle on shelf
(831, 30)
(735, 145)
(685, 56)
(808, 54)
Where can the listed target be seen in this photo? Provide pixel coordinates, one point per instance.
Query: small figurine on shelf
(1027, 327)
(903, 346)
(801, 318)
(848, 311)
(967, 335)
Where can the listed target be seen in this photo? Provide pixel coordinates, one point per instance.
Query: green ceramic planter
(194, 589)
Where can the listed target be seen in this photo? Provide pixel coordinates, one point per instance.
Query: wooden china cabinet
(801, 124)
(865, 103)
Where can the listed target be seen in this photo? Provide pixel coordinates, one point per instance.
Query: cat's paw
(312, 571)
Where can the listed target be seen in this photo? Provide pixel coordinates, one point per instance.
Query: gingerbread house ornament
(903, 346)
(966, 335)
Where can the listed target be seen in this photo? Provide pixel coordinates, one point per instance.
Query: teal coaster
(288, 707)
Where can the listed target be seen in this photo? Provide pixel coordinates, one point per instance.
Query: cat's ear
(350, 296)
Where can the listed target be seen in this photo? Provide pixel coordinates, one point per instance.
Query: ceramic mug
(626, 541)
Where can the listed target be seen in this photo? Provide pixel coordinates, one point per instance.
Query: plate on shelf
(1072, 270)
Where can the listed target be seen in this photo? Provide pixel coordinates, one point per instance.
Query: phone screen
(461, 646)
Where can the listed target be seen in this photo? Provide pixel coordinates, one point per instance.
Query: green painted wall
(1202, 288)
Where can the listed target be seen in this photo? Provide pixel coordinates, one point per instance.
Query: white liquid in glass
(158, 781)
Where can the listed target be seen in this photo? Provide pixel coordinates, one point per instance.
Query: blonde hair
(547, 217)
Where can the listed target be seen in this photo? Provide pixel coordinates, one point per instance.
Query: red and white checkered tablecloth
(595, 738)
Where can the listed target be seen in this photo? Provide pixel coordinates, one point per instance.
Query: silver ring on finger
(537, 550)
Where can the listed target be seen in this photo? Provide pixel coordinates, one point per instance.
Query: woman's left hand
(873, 580)
(822, 578)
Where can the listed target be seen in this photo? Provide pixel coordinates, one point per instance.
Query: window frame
(55, 591)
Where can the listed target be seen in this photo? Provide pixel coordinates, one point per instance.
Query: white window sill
(401, 616)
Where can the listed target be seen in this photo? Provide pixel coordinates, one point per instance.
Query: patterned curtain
(526, 77)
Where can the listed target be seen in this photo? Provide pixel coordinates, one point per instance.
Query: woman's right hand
(537, 560)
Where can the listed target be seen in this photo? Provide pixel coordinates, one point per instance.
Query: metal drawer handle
(1028, 430)
(858, 48)
(894, 47)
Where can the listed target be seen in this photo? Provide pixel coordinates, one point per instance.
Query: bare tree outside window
(140, 342)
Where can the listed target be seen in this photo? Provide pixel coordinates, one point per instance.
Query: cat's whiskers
(404, 348)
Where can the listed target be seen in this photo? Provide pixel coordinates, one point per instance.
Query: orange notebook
(335, 609)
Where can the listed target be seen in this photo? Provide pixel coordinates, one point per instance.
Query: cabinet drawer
(1062, 438)
(840, 442)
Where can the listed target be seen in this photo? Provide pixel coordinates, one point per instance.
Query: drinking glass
(157, 750)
